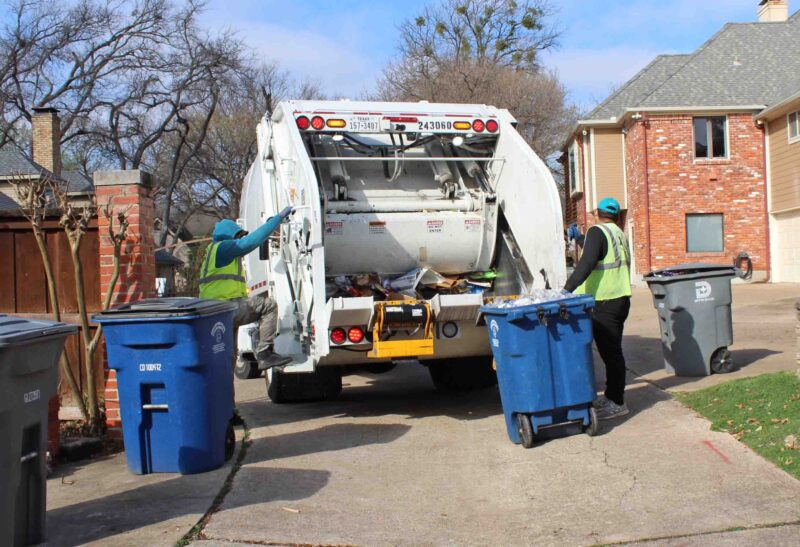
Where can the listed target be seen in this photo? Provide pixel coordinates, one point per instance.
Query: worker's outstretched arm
(232, 249)
(594, 250)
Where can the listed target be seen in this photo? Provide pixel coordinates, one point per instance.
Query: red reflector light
(338, 336)
(478, 126)
(401, 119)
(317, 122)
(355, 335)
(491, 126)
(303, 123)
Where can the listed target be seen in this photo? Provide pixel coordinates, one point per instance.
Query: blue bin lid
(693, 269)
(14, 330)
(165, 307)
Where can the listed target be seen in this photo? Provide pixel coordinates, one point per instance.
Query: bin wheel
(246, 369)
(525, 430)
(230, 442)
(594, 424)
(722, 361)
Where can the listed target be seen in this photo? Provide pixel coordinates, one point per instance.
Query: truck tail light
(338, 336)
(317, 122)
(303, 123)
(478, 126)
(337, 124)
(491, 126)
(355, 335)
(462, 126)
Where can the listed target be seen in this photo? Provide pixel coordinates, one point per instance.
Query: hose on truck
(745, 273)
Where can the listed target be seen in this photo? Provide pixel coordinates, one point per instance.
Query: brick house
(683, 146)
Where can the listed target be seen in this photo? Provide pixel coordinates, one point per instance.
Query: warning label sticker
(377, 227)
(334, 227)
(472, 225)
(435, 226)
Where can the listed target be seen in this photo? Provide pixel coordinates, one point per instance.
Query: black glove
(286, 212)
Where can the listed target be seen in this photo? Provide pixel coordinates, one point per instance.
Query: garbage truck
(408, 217)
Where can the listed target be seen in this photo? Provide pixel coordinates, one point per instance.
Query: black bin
(29, 354)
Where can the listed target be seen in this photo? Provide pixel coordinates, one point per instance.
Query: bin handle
(155, 407)
(28, 457)
(563, 312)
(515, 316)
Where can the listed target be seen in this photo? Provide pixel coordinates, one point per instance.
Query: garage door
(786, 247)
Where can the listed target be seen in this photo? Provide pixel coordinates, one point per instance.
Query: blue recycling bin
(543, 354)
(173, 358)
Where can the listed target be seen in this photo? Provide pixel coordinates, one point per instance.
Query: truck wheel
(463, 374)
(722, 361)
(525, 430)
(323, 384)
(246, 369)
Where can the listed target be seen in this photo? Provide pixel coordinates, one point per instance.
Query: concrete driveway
(394, 462)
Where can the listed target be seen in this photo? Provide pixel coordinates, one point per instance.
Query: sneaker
(600, 402)
(268, 359)
(611, 410)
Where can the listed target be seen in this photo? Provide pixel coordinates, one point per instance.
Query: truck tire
(463, 374)
(323, 384)
(246, 369)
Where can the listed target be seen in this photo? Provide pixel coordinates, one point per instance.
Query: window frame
(722, 231)
(710, 140)
(574, 168)
(796, 138)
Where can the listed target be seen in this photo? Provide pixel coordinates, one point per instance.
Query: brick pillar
(46, 139)
(129, 190)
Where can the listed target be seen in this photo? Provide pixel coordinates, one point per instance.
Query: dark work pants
(608, 320)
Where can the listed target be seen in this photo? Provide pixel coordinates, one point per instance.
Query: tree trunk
(51, 289)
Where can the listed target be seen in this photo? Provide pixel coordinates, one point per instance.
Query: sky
(343, 44)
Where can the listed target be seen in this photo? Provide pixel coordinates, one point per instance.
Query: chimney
(46, 139)
(773, 11)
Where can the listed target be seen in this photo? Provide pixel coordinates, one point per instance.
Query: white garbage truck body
(382, 189)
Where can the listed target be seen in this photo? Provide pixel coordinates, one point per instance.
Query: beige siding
(784, 161)
(609, 164)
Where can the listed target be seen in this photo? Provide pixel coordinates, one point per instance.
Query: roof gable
(742, 64)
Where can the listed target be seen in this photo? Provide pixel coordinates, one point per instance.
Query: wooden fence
(23, 286)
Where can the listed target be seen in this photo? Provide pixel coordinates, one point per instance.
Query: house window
(710, 139)
(574, 169)
(704, 233)
(794, 126)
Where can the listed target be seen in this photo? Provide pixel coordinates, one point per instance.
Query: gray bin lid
(693, 270)
(166, 307)
(14, 330)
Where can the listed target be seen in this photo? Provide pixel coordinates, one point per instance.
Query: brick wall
(662, 171)
(131, 191)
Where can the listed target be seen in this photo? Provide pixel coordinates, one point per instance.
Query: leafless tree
(497, 32)
(75, 221)
(36, 202)
(486, 52)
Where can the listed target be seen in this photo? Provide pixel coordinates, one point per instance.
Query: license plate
(363, 124)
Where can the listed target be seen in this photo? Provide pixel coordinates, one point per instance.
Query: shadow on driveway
(139, 507)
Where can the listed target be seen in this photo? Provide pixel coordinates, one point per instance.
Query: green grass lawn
(762, 412)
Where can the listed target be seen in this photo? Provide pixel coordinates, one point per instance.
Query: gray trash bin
(29, 353)
(694, 312)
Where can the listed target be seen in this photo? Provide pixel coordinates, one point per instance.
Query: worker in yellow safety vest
(222, 278)
(603, 271)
